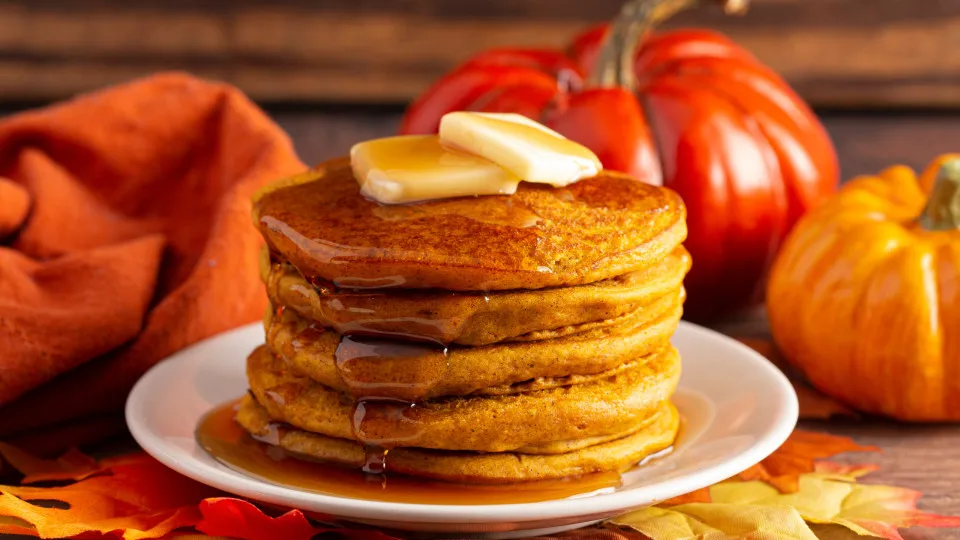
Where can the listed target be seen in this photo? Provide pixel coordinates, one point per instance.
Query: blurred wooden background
(837, 53)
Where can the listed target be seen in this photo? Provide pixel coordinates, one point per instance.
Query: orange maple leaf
(131, 496)
(798, 455)
(72, 465)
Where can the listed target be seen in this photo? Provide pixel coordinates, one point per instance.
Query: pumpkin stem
(614, 66)
(942, 212)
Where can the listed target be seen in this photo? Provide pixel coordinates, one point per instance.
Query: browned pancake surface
(541, 236)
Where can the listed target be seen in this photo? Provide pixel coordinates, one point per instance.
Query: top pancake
(539, 237)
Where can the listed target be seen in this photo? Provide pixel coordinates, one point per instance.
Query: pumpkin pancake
(366, 367)
(656, 432)
(595, 229)
(486, 424)
(475, 318)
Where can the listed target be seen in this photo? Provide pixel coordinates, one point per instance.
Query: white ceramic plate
(737, 409)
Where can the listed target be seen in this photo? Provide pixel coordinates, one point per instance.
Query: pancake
(485, 424)
(472, 318)
(595, 229)
(655, 433)
(364, 367)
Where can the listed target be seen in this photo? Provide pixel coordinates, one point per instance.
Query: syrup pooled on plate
(229, 444)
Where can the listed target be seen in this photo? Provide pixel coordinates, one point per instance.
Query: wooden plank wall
(837, 53)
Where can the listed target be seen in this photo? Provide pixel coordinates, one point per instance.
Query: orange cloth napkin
(124, 236)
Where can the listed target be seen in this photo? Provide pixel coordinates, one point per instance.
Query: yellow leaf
(717, 521)
(866, 509)
(799, 454)
(834, 532)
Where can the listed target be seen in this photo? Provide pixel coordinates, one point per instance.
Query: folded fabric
(124, 237)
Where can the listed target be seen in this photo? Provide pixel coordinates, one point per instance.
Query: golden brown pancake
(372, 367)
(655, 433)
(476, 318)
(485, 424)
(595, 229)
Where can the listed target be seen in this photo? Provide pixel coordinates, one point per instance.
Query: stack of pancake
(488, 340)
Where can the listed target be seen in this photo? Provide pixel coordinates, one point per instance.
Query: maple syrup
(381, 414)
(385, 377)
(353, 312)
(511, 213)
(380, 368)
(374, 367)
(221, 437)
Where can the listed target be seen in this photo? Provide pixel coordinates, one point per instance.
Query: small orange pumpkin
(864, 297)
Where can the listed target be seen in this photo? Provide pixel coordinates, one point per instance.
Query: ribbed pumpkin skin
(867, 304)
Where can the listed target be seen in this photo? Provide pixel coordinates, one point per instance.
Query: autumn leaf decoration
(790, 495)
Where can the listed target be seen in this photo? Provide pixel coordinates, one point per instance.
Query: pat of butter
(413, 168)
(529, 150)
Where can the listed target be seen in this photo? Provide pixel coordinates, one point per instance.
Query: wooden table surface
(926, 457)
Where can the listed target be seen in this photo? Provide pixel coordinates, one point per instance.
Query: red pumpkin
(688, 109)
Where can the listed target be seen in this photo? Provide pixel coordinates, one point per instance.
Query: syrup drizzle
(384, 414)
(512, 213)
(386, 373)
(355, 312)
(410, 369)
(387, 379)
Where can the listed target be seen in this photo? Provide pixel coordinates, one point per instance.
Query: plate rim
(344, 507)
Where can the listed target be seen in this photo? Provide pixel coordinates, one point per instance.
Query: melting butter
(474, 154)
(530, 150)
(413, 168)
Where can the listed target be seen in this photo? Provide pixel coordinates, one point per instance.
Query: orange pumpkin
(864, 297)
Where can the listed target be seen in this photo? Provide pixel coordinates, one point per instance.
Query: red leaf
(240, 519)
(237, 518)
